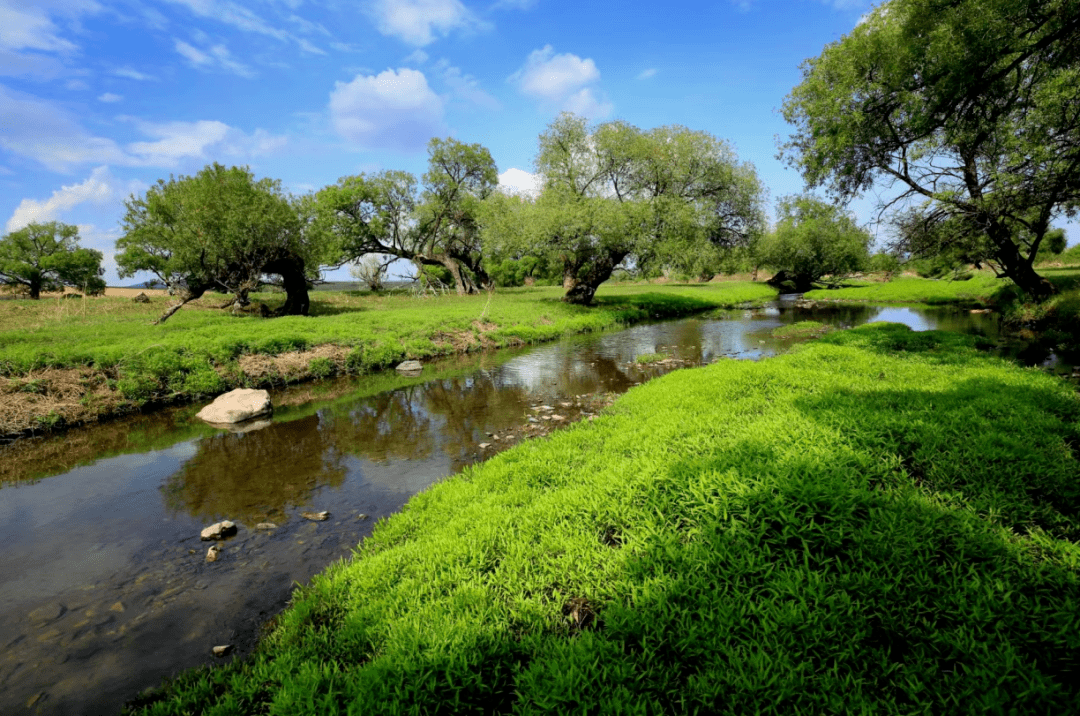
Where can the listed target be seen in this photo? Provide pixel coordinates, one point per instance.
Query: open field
(980, 290)
(879, 522)
(66, 361)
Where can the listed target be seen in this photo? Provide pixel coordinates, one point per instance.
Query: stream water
(105, 588)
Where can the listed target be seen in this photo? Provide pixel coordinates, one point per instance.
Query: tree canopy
(615, 195)
(390, 213)
(970, 108)
(220, 230)
(47, 256)
(813, 239)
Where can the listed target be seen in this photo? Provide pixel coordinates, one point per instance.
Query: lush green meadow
(878, 522)
(203, 350)
(980, 289)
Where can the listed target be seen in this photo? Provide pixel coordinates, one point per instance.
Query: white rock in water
(236, 406)
(222, 650)
(266, 526)
(410, 366)
(212, 553)
(315, 516)
(218, 530)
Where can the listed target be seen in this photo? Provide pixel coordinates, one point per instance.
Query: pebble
(266, 526)
(222, 650)
(361, 516)
(315, 516)
(118, 607)
(485, 446)
(212, 553)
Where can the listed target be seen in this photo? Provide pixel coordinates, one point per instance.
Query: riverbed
(106, 586)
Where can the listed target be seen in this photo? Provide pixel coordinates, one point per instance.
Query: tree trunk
(580, 289)
(462, 282)
(293, 280)
(35, 291)
(1016, 267)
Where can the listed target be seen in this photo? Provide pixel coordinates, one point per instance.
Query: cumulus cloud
(562, 81)
(395, 109)
(520, 182)
(214, 58)
(47, 133)
(99, 188)
(418, 22)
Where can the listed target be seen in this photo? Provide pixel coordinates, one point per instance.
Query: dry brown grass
(291, 366)
(55, 396)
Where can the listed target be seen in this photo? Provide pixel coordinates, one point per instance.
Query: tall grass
(879, 522)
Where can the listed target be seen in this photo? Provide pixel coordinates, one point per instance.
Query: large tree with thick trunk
(615, 195)
(220, 230)
(46, 257)
(968, 109)
(389, 213)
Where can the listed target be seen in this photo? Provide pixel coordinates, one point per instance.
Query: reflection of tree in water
(253, 476)
(388, 425)
(469, 408)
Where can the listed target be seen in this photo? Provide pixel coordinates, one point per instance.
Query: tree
(46, 257)
(387, 213)
(614, 196)
(813, 239)
(971, 108)
(221, 230)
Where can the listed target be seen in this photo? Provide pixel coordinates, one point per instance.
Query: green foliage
(883, 262)
(800, 329)
(47, 257)
(878, 522)
(646, 358)
(901, 99)
(666, 199)
(220, 230)
(814, 239)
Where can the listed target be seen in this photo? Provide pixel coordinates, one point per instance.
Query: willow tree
(614, 195)
(219, 230)
(433, 224)
(968, 109)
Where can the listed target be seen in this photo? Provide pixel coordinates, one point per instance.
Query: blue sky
(100, 98)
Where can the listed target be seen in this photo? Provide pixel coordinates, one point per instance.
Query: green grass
(196, 351)
(800, 329)
(646, 358)
(879, 522)
(979, 290)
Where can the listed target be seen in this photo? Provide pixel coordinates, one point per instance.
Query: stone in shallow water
(222, 650)
(212, 553)
(218, 530)
(316, 516)
(47, 613)
(266, 526)
(410, 366)
(237, 406)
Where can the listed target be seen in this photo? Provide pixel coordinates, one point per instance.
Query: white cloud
(562, 81)
(309, 47)
(29, 28)
(133, 74)
(465, 87)
(77, 85)
(214, 58)
(29, 64)
(109, 97)
(99, 188)
(230, 13)
(418, 22)
(520, 182)
(395, 108)
(47, 133)
(417, 57)
(646, 74)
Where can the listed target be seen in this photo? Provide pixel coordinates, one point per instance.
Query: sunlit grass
(980, 289)
(879, 522)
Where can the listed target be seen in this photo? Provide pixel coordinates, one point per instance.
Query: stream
(106, 589)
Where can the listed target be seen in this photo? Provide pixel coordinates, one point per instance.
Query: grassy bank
(878, 522)
(68, 361)
(980, 290)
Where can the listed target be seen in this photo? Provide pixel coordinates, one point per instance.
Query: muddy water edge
(105, 586)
